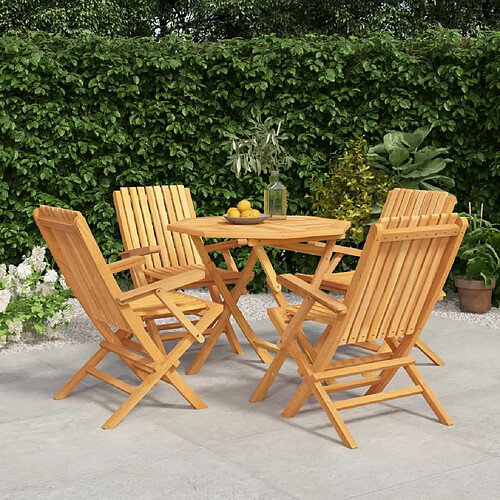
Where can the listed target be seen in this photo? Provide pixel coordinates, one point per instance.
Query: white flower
(23, 290)
(62, 281)
(45, 289)
(3, 271)
(56, 320)
(15, 327)
(50, 277)
(24, 270)
(11, 284)
(37, 258)
(4, 300)
(70, 310)
(12, 270)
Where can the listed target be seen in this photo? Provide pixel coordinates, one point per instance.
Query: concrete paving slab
(308, 461)
(176, 476)
(476, 481)
(51, 447)
(236, 449)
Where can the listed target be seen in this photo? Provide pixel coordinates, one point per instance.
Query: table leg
(230, 299)
(276, 290)
(291, 332)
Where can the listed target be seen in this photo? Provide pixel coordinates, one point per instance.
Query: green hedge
(80, 117)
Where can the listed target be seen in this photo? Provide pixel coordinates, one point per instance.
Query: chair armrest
(224, 245)
(355, 252)
(140, 251)
(127, 263)
(304, 289)
(167, 285)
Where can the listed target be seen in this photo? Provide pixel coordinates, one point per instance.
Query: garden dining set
(386, 302)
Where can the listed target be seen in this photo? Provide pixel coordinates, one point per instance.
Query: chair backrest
(75, 250)
(402, 202)
(143, 215)
(400, 275)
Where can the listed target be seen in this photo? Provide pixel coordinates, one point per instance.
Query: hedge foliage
(80, 117)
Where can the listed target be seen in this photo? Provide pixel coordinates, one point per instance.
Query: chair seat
(160, 273)
(317, 313)
(151, 305)
(337, 282)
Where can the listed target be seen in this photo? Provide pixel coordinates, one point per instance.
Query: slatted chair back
(401, 202)
(400, 276)
(143, 216)
(81, 262)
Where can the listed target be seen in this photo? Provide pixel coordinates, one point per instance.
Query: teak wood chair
(395, 286)
(399, 202)
(143, 216)
(120, 316)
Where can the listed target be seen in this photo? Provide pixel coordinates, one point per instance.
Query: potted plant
(260, 151)
(479, 259)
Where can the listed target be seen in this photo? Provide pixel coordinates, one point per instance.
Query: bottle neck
(275, 176)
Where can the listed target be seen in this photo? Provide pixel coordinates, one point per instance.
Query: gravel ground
(254, 307)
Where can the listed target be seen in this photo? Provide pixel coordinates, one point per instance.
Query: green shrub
(80, 117)
(352, 190)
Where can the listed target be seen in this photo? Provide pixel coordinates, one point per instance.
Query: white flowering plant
(33, 298)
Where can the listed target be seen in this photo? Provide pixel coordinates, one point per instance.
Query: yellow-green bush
(352, 190)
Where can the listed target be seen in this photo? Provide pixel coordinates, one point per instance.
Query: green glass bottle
(275, 197)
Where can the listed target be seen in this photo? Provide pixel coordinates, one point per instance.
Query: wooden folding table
(303, 234)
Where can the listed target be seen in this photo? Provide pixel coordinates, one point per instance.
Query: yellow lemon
(247, 213)
(244, 205)
(255, 212)
(233, 212)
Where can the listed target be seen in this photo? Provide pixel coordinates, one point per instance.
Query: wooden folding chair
(400, 202)
(396, 284)
(143, 216)
(120, 316)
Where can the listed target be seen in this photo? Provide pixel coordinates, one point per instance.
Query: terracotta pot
(473, 295)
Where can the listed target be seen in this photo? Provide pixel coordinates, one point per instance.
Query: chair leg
(202, 356)
(153, 331)
(265, 384)
(297, 401)
(185, 390)
(428, 395)
(267, 380)
(75, 380)
(234, 343)
(420, 344)
(334, 416)
(128, 405)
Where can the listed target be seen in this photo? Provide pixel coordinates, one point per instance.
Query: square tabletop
(297, 228)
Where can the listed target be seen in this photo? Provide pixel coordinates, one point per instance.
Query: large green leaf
(442, 180)
(378, 149)
(392, 140)
(429, 153)
(427, 169)
(398, 156)
(414, 139)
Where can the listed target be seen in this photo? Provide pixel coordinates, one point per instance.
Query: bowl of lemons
(243, 213)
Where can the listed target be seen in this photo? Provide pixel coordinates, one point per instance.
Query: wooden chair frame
(143, 216)
(71, 243)
(397, 282)
(399, 203)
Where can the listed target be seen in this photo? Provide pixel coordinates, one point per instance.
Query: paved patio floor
(236, 449)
